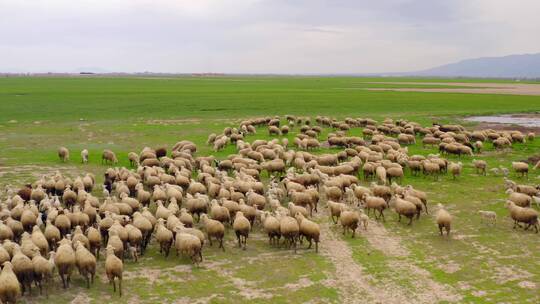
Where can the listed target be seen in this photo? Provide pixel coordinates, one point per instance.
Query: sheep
(403, 207)
(289, 229)
(114, 269)
(86, 263)
(189, 245)
(478, 145)
(10, 289)
(376, 203)
(40, 240)
(23, 269)
(43, 270)
(419, 194)
(215, 229)
(108, 157)
(241, 226)
(536, 200)
(309, 230)
(65, 261)
(455, 169)
(480, 166)
(520, 199)
(164, 237)
(63, 154)
(94, 240)
(84, 156)
(521, 167)
(523, 215)
(52, 234)
(490, 216)
(271, 227)
(335, 210)
(364, 219)
(443, 219)
(380, 172)
(394, 173)
(349, 220)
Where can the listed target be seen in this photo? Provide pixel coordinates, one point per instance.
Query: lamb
(86, 263)
(443, 219)
(364, 219)
(523, 215)
(63, 154)
(214, 229)
(108, 157)
(10, 289)
(349, 220)
(490, 216)
(480, 166)
(43, 270)
(455, 169)
(241, 226)
(522, 168)
(84, 156)
(65, 261)
(189, 245)
(309, 230)
(114, 269)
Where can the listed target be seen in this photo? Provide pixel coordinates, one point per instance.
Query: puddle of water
(530, 121)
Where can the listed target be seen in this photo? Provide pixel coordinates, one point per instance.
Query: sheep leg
(410, 220)
(221, 244)
(382, 215)
(440, 229)
(399, 217)
(309, 247)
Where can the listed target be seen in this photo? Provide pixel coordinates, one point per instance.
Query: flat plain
(390, 262)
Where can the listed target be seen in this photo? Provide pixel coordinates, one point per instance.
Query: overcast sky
(261, 36)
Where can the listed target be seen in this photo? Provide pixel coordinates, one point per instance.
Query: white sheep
(490, 216)
(84, 156)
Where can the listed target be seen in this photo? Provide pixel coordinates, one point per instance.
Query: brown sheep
(241, 226)
(10, 289)
(114, 269)
(309, 230)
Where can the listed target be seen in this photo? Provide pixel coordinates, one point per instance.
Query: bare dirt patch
(475, 88)
(380, 239)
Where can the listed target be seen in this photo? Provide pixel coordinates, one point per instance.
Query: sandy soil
(476, 88)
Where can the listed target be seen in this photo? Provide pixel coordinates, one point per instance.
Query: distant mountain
(512, 66)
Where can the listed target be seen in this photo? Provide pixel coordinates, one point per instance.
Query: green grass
(127, 114)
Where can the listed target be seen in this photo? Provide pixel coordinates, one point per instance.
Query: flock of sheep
(178, 200)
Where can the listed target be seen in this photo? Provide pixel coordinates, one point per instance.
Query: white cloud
(258, 36)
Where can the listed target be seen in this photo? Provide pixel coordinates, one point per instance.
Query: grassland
(480, 263)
